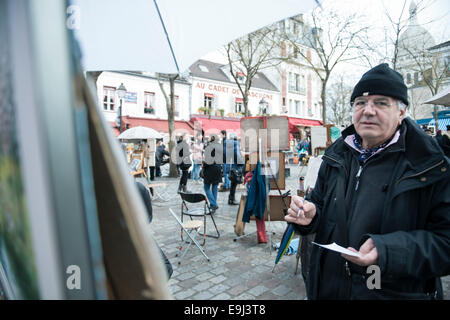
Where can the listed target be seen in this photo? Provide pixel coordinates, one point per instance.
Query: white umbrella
(140, 133)
(442, 98)
(167, 36)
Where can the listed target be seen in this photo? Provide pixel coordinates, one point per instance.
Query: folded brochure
(335, 247)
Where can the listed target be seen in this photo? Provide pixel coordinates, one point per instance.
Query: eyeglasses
(379, 104)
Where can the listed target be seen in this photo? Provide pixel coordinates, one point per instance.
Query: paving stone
(222, 296)
(204, 295)
(202, 286)
(185, 276)
(237, 290)
(173, 289)
(184, 294)
(258, 290)
(218, 288)
(281, 290)
(244, 296)
(217, 279)
(204, 276)
(219, 270)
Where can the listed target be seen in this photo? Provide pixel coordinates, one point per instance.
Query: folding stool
(191, 228)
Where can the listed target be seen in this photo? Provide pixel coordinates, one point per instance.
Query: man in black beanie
(382, 192)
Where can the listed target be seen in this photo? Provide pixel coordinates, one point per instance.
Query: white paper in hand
(335, 247)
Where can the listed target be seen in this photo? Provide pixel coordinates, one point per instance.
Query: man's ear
(402, 115)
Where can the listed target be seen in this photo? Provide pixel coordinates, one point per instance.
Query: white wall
(139, 85)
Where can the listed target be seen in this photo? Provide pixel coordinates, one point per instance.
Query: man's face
(376, 118)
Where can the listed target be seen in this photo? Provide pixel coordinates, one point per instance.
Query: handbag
(235, 175)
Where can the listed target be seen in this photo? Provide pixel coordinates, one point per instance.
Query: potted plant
(202, 110)
(222, 112)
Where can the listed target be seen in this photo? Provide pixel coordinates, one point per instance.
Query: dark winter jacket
(160, 152)
(183, 155)
(402, 202)
(212, 170)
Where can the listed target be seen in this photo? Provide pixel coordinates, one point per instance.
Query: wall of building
(137, 86)
(225, 95)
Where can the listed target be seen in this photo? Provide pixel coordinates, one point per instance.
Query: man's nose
(370, 108)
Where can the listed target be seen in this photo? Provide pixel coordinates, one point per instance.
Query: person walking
(236, 170)
(227, 147)
(212, 171)
(383, 192)
(159, 157)
(183, 163)
(197, 157)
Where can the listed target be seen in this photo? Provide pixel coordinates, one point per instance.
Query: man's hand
(305, 216)
(368, 254)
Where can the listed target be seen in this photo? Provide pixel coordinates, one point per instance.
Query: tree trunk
(173, 171)
(170, 106)
(323, 96)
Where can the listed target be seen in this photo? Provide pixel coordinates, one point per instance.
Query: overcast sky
(435, 17)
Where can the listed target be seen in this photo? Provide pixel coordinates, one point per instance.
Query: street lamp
(121, 90)
(262, 106)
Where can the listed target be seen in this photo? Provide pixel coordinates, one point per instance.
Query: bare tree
(249, 55)
(332, 39)
(170, 106)
(339, 101)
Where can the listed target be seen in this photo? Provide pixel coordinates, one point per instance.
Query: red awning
(160, 125)
(239, 100)
(209, 95)
(214, 126)
(295, 122)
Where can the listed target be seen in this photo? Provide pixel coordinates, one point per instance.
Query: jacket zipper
(358, 176)
(422, 172)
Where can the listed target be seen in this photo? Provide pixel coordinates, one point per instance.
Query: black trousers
(184, 178)
(232, 190)
(152, 173)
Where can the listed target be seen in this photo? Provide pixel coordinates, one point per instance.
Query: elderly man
(383, 191)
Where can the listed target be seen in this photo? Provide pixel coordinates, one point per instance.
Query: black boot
(232, 202)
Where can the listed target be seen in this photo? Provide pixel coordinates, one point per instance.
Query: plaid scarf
(367, 153)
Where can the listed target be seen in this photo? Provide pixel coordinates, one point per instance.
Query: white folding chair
(191, 228)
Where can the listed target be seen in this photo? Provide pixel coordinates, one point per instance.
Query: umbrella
(442, 98)
(168, 36)
(140, 133)
(284, 244)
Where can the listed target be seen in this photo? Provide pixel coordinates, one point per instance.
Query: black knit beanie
(381, 80)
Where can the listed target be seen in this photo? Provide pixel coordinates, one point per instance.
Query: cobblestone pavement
(238, 270)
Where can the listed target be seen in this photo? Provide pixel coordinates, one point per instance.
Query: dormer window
(203, 68)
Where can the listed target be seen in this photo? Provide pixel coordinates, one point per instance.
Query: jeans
(226, 170)
(195, 171)
(211, 193)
